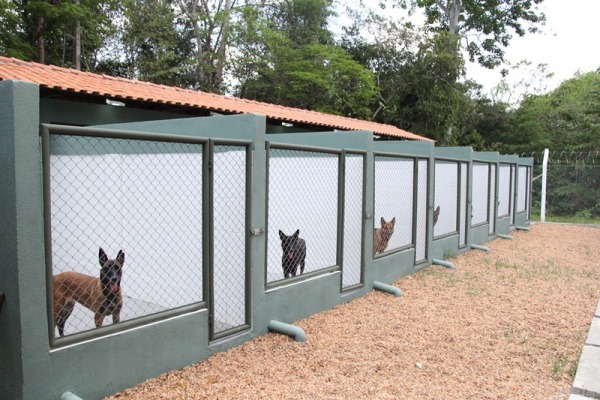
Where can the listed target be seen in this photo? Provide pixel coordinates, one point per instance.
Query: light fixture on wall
(115, 103)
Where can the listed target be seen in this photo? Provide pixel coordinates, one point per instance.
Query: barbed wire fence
(572, 189)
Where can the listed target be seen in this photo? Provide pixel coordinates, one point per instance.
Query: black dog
(294, 253)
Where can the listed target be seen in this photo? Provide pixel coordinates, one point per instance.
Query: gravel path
(509, 324)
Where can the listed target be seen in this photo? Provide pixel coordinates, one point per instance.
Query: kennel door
(421, 225)
(229, 301)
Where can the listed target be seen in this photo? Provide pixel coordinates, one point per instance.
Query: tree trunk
(40, 41)
(452, 11)
(224, 39)
(77, 43)
(454, 8)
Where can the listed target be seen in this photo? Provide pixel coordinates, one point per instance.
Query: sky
(569, 43)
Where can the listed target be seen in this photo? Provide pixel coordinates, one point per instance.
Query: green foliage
(44, 31)
(316, 77)
(431, 98)
(289, 61)
(303, 22)
(11, 43)
(575, 191)
(487, 25)
(154, 44)
(564, 119)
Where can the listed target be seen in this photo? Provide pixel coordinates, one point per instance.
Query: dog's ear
(102, 257)
(382, 221)
(281, 235)
(121, 257)
(297, 233)
(437, 210)
(393, 221)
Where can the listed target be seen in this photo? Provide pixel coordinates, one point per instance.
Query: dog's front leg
(98, 319)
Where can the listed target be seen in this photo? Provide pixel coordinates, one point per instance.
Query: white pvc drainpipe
(287, 329)
(478, 247)
(500, 235)
(387, 288)
(443, 263)
(69, 396)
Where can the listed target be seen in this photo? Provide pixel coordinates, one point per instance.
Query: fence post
(544, 176)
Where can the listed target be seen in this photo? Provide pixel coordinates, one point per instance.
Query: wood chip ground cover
(509, 324)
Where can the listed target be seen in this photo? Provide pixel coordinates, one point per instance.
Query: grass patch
(576, 219)
(562, 363)
(501, 264)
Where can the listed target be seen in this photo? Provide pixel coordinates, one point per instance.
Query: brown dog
(101, 295)
(381, 236)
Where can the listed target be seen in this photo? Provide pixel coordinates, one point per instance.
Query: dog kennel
(196, 205)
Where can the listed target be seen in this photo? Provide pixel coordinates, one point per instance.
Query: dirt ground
(509, 324)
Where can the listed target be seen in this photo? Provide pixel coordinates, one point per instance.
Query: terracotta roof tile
(64, 79)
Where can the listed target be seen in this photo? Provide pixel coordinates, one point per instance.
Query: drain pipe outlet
(523, 228)
(478, 247)
(387, 288)
(443, 263)
(69, 396)
(287, 329)
(500, 235)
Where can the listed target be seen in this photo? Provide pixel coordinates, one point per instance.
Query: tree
(65, 33)
(304, 22)
(153, 41)
(290, 61)
(520, 81)
(210, 24)
(486, 25)
(315, 77)
(11, 43)
(386, 48)
(428, 98)
(568, 118)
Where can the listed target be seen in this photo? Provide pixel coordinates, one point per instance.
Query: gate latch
(257, 231)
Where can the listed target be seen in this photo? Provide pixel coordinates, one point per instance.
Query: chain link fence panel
(303, 198)
(446, 197)
(481, 187)
(394, 202)
(143, 198)
(230, 234)
(353, 218)
(572, 185)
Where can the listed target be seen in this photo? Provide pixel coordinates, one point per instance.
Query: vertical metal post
(544, 176)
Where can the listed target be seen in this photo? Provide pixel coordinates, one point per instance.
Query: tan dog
(381, 236)
(101, 295)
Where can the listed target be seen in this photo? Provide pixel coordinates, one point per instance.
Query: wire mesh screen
(573, 190)
(523, 185)
(513, 178)
(394, 197)
(141, 197)
(504, 190)
(445, 197)
(481, 182)
(492, 201)
(463, 220)
(303, 198)
(421, 224)
(229, 264)
(353, 218)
